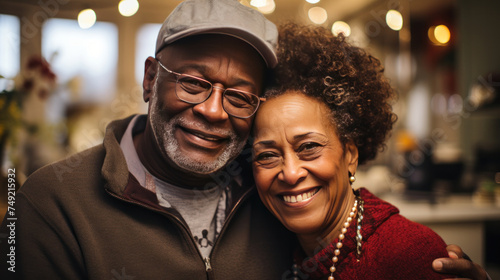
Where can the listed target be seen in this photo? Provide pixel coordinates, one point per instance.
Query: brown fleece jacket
(76, 220)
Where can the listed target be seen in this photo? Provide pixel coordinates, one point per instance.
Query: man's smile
(203, 139)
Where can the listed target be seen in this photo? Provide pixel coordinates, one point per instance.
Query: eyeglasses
(195, 90)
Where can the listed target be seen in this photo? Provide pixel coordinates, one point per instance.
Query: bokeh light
(317, 15)
(439, 35)
(394, 20)
(86, 18)
(341, 27)
(128, 8)
(258, 3)
(268, 8)
(442, 34)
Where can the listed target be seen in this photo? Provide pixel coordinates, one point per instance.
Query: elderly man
(162, 197)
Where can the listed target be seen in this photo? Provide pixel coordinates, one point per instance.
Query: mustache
(203, 125)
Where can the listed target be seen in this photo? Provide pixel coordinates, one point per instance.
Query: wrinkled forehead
(293, 113)
(214, 44)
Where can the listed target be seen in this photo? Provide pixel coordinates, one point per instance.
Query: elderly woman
(331, 111)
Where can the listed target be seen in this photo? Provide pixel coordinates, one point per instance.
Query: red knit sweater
(393, 247)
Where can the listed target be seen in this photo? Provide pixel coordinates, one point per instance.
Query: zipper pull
(208, 266)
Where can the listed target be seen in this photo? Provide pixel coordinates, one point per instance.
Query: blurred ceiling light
(268, 8)
(312, 1)
(128, 8)
(341, 27)
(258, 3)
(394, 20)
(317, 15)
(439, 35)
(86, 18)
(442, 34)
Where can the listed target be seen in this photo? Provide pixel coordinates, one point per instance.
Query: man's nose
(211, 109)
(292, 171)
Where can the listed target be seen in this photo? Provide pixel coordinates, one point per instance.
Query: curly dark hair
(313, 61)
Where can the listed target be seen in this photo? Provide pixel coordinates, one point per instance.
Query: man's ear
(149, 78)
(351, 157)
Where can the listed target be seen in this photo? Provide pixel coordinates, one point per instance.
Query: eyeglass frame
(259, 99)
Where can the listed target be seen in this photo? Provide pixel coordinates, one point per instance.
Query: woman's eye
(266, 159)
(264, 156)
(310, 150)
(309, 146)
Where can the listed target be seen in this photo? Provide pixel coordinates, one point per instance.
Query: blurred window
(145, 46)
(85, 58)
(9, 48)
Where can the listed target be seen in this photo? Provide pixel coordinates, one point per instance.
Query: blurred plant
(22, 107)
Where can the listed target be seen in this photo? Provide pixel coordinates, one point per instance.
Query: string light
(264, 6)
(128, 8)
(442, 34)
(268, 8)
(394, 20)
(86, 18)
(341, 27)
(439, 35)
(317, 15)
(258, 3)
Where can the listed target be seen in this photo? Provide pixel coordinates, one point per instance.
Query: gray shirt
(203, 209)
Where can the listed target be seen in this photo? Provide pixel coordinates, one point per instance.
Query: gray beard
(163, 131)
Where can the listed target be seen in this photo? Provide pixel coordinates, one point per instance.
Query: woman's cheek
(262, 179)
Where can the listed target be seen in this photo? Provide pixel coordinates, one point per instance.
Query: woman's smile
(299, 199)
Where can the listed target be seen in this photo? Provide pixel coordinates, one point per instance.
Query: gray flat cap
(229, 17)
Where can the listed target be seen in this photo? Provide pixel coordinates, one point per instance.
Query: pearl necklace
(339, 245)
(359, 208)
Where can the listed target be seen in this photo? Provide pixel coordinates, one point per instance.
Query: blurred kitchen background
(69, 67)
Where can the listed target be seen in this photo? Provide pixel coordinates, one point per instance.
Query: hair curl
(348, 80)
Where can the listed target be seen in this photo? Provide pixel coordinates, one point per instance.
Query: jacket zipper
(208, 266)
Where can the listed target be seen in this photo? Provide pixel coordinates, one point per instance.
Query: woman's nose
(292, 171)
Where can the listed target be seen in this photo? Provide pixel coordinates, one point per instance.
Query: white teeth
(300, 197)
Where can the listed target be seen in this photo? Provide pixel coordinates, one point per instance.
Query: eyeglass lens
(195, 90)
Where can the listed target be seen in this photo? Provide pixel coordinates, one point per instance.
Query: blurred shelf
(454, 208)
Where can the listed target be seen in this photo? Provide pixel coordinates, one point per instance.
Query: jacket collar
(114, 169)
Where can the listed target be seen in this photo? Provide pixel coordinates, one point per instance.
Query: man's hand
(460, 265)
